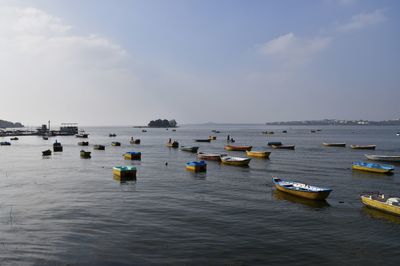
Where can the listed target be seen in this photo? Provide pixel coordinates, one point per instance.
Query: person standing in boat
(170, 140)
(228, 138)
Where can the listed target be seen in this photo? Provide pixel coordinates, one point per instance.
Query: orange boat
(238, 148)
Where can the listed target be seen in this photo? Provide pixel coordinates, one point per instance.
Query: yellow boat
(133, 155)
(373, 167)
(382, 202)
(125, 171)
(238, 148)
(301, 190)
(258, 154)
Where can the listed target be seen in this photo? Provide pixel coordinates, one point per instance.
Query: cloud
(50, 72)
(294, 50)
(363, 20)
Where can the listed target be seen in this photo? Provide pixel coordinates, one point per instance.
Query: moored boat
(85, 154)
(115, 143)
(132, 155)
(14, 138)
(172, 144)
(258, 154)
(99, 147)
(195, 166)
(189, 148)
(212, 137)
(237, 161)
(82, 134)
(210, 156)
(382, 202)
(5, 143)
(363, 147)
(125, 172)
(276, 143)
(373, 167)
(284, 147)
(45, 138)
(301, 190)
(83, 143)
(383, 158)
(134, 141)
(238, 148)
(111, 135)
(46, 153)
(57, 147)
(334, 144)
(203, 140)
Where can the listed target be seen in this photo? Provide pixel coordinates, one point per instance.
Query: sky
(226, 61)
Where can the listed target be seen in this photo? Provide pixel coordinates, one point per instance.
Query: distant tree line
(162, 123)
(7, 124)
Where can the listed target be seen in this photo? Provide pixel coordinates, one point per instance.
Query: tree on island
(8, 124)
(162, 123)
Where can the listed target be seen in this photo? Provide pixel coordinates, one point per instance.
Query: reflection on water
(123, 179)
(369, 175)
(279, 195)
(198, 175)
(378, 214)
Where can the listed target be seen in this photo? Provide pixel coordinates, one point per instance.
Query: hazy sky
(127, 62)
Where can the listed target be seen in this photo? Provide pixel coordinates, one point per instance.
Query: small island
(162, 123)
(8, 124)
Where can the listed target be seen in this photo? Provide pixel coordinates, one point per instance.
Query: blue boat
(196, 166)
(275, 143)
(373, 167)
(5, 143)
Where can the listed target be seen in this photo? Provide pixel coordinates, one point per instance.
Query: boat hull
(238, 148)
(129, 173)
(383, 158)
(136, 157)
(309, 194)
(371, 169)
(375, 204)
(334, 144)
(210, 157)
(284, 147)
(363, 147)
(244, 162)
(258, 154)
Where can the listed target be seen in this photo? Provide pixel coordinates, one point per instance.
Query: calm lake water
(66, 210)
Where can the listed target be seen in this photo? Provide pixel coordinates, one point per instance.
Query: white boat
(385, 158)
(239, 161)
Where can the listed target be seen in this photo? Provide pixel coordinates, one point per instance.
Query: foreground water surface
(66, 210)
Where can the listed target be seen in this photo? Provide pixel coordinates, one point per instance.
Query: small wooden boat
(203, 140)
(313, 131)
(5, 143)
(284, 147)
(85, 154)
(83, 143)
(363, 147)
(276, 143)
(210, 156)
(381, 202)
(46, 153)
(383, 158)
(284, 131)
(212, 137)
(337, 144)
(99, 147)
(174, 130)
(14, 138)
(132, 155)
(237, 161)
(373, 167)
(111, 135)
(238, 148)
(125, 172)
(45, 138)
(135, 141)
(258, 154)
(189, 148)
(115, 143)
(173, 144)
(301, 190)
(215, 131)
(195, 166)
(57, 147)
(268, 132)
(144, 130)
